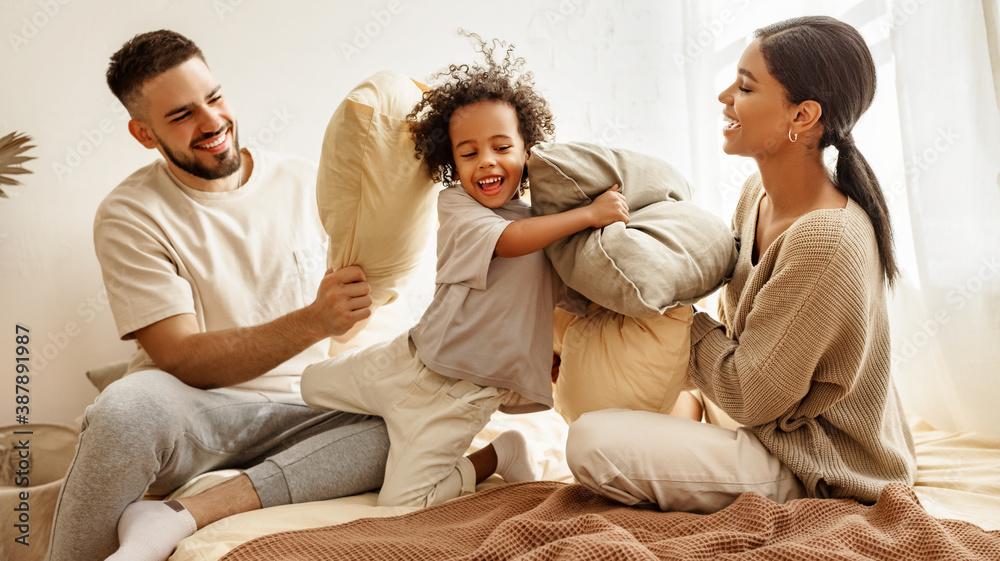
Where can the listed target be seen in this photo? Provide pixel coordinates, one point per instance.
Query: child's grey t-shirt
(490, 321)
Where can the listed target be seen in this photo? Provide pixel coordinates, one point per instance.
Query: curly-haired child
(485, 341)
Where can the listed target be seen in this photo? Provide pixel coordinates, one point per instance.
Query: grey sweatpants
(149, 432)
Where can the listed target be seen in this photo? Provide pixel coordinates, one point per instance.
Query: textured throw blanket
(548, 520)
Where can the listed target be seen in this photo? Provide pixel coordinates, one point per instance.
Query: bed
(953, 512)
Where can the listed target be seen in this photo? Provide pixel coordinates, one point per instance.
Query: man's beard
(226, 163)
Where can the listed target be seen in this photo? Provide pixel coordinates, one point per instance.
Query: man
(210, 260)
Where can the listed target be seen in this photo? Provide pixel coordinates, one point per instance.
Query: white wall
(605, 67)
(640, 74)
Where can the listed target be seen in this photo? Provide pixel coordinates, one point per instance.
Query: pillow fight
(568, 275)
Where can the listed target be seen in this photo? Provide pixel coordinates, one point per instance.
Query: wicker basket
(51, 448)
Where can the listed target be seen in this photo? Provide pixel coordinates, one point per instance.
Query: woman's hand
(609, 207)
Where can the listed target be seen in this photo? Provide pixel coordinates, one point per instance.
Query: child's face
(488, 150)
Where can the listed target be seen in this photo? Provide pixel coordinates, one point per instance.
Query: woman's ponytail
(856, 179)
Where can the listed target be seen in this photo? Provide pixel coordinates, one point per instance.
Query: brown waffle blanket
(548, 520)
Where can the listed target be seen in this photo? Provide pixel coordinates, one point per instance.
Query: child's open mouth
(491, 185)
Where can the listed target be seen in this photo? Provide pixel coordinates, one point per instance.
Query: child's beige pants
(431, 418)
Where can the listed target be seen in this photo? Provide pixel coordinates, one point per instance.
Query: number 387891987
(22, 373)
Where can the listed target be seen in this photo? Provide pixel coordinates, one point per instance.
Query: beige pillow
(670, 253)
(376, 199)
(611, 361)
(103, 377)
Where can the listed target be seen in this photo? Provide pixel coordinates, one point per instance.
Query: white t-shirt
(234, 259)
(491, 318)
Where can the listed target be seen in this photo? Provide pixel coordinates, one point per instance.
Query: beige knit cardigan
(803, 357)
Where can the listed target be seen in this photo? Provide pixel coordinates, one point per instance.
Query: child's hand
(609, 207)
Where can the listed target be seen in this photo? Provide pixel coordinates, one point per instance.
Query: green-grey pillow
(670, 253)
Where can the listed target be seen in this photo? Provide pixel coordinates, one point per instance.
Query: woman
(802, 359)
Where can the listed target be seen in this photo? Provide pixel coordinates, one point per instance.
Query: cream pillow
(376, 199)
(670, 253)
(612, 361)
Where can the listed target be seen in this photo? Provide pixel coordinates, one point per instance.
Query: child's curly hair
(461, 85)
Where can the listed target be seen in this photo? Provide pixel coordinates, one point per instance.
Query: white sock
(150, 530)
(514, 462)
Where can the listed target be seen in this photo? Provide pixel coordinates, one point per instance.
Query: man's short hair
(143, 58)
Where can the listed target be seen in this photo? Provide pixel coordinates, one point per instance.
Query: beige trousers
(431, 419)
(677, 464)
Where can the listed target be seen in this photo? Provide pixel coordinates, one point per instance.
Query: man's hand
(609, 207)
(343, 299)
(223, 358)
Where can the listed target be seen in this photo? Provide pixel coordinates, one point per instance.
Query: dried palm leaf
(12, 148)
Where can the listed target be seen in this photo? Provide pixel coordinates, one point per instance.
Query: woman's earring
(790, 137)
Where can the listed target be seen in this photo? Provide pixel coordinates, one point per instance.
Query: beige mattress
(958, 478)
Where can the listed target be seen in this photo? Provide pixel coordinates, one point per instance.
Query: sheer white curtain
(946, 331)
(932, 138)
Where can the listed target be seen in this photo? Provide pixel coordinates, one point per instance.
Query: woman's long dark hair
(823, 59)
